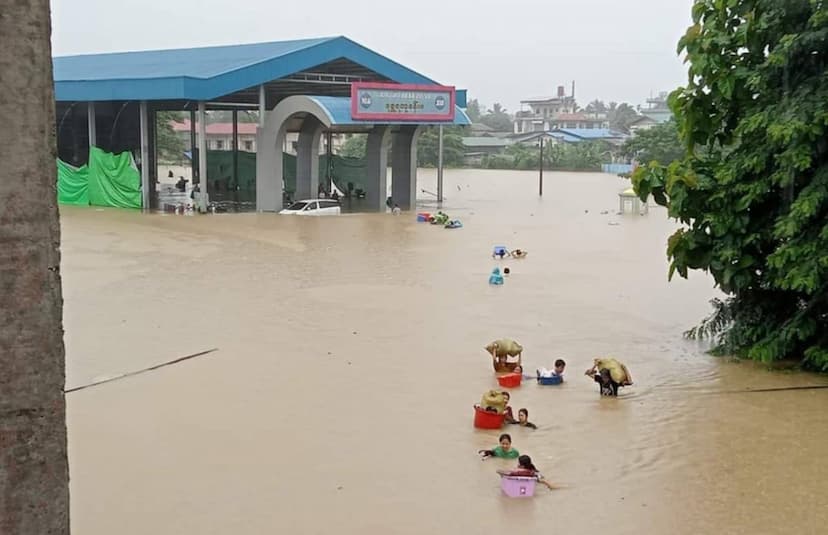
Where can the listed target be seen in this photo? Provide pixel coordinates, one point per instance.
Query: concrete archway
(269, 141)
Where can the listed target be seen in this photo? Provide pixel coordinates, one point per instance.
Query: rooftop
(211, 72)
(485, 142)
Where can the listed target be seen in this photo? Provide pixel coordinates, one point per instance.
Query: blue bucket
(554, 380)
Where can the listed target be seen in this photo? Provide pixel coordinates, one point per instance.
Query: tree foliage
(453, 148)
(660, 144)
(584, 156)
(497, 118)
(354, 146)
(473, 110)
(170, 145)
(621, 116)
(754, 202)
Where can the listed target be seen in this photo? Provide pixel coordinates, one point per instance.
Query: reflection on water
(351, 355)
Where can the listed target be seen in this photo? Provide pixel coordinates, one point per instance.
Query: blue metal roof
(208, 73)
(588, 133)
(339, 113)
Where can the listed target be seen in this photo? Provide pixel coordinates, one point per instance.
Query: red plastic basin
(487, 420)
(510, 380)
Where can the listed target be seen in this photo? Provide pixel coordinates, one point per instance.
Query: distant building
(476, 147)
(657, 108)
(543, 110)
(578, 135)
(579, 120)
(549, 113)
(220, 137)
(641, 123)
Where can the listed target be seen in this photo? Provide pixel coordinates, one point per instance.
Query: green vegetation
(354, 146)
(584, 156)
(752, 192)
(496, 118)
(453, 148)
(660, 143)
(620, 116)
(170, 146)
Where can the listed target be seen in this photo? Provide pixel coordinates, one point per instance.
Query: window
(219, 144)
(297, 206)
(328, 204)
(248, 146)
(310, 206)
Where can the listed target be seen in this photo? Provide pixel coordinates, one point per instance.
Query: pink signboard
(402, 102)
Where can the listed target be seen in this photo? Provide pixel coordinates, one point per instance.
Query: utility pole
(540, 169)
(440, 165)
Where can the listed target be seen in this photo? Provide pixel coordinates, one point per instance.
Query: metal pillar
(540, 167)
(235, 148)
(193, 166)
(145, 159)
(93, 130)
(440, 165)
(202, 158)
(262, 104)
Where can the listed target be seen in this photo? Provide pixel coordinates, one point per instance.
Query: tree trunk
(34, 472)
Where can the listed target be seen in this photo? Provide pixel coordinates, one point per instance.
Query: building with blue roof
(308, 86)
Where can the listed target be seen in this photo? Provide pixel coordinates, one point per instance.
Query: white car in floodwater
(313, 207)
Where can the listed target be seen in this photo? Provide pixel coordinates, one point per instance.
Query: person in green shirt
(504, 450)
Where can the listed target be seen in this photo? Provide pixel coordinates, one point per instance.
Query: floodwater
(350, 354)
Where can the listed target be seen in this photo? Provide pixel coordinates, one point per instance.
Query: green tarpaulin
(73, 184)
(107, 180)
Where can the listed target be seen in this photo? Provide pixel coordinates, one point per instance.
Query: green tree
(660, 143)
(596, 106)
(754, 202)
(354, 146)
(621, 116)
(170, 145)
(473, 110)
(498, 119)
(453, 148)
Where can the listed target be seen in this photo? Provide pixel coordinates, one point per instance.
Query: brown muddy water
(351, 353)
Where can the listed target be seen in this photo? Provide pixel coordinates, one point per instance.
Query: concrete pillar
(376, 153)
(404, 167)
(92, 125)
(307, 159)
(202, 200)
(269, 171)
(145, 159)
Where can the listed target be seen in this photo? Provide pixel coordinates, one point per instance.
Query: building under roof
(110, 101)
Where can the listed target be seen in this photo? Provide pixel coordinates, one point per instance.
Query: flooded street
(350, 354)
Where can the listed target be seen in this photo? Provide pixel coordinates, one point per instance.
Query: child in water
(527, 469)
(523, 420)
(504, 450)
(560, 366)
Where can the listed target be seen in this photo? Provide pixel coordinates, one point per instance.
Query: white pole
(145, 185)
(90, 117)
(202, 158)
(440, 165)
(262, 105)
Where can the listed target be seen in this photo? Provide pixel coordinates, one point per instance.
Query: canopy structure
(121, 93)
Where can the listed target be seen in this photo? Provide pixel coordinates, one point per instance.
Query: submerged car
(313, 207)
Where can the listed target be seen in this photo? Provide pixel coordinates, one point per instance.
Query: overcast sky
(500, 50)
